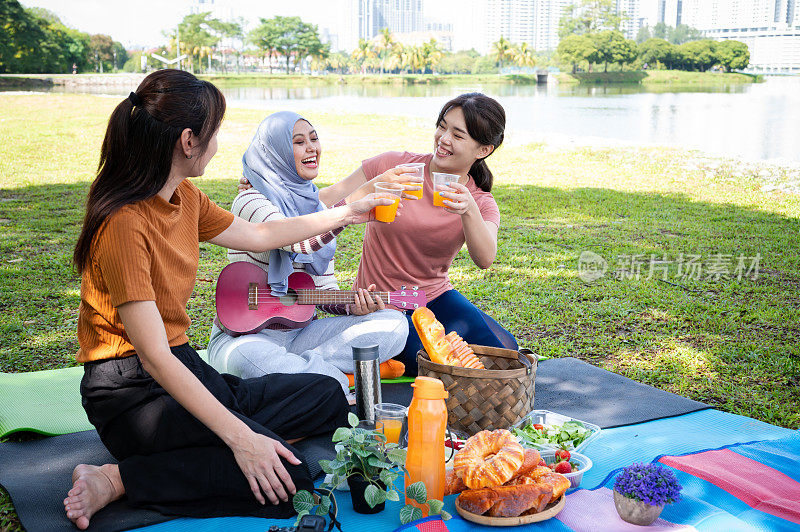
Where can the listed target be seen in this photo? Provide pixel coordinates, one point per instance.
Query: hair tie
(134, 98)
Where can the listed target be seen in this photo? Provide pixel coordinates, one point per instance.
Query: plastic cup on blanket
(389, 419)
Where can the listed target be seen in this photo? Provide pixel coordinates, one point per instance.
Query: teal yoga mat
(49, 402)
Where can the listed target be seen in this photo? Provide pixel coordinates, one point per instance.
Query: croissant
(448, 349)
(453, 483)
(506, 501)
(542, 475)
(473, 467)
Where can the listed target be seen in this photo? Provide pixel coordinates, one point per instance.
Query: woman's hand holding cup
(363, 210)
(458, 200)
(409, 176)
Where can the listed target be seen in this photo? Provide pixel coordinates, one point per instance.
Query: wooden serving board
(549, 511)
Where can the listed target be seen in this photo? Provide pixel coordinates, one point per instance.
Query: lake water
(752, 121)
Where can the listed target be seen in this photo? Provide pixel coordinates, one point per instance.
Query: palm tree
(385, 46)
(501, 50)
(362, 53)
(412, 58)
(431, 54)
(524, 56)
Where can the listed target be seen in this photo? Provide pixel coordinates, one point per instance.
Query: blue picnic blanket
(612, 450)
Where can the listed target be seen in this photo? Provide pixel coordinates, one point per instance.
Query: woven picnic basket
(486, 399)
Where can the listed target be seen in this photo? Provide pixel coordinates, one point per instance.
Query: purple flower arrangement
(649, 483)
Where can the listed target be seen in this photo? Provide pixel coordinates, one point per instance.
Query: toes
(82, 522)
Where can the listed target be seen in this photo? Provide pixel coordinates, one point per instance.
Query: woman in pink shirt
(418, 248)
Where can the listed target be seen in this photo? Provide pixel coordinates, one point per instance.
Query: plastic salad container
(584, 465)
(551, 421)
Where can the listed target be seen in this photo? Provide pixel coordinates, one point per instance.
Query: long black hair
(486, 123)
(142, 133)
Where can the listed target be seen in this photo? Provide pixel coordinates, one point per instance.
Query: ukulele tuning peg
(403, 287)
(415, 287)
(404, 303)
(416, 306)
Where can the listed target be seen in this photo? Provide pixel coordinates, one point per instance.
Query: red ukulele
(245, 303)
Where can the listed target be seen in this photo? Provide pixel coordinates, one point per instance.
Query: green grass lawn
(730, 343)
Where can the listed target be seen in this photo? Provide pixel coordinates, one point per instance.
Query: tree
(385, 46)
(524, 56)
(198, 36)
(265, 38)
(683, 33)
(430, 54)
(291, 38)
(643, 34)
(613, 47)
(589, 16)
(501, 50)
(575, 49)
(363, 53)
(657, 53)
(733, 55)
(699, 55)
(101, 50)
(232, 29)
(458, 63)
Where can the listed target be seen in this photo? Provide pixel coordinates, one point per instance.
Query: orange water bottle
(427, 422)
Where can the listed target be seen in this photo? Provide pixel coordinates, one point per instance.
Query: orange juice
(427, 421)
(391, 429)
(386, 213)
(417, 194)
(438, 200)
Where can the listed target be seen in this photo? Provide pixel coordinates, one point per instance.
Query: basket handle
(525, 361)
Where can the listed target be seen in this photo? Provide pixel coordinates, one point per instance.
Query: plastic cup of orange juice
(419, 171)
(386, 213)
(389, 419)
(440, 182)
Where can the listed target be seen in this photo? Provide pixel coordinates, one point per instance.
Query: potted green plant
(370, 466)
(642, 490)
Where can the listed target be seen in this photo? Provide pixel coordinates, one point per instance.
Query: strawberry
(542, 463)
(552, 466)
(563, 467)
(562, 455)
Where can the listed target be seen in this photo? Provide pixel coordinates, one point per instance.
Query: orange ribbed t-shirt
(146, 251)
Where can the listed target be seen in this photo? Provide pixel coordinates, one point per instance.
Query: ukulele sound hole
(290, 299)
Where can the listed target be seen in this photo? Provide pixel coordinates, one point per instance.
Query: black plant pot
(357, 488)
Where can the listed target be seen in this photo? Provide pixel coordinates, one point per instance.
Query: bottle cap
(366, 352)
(429, 388)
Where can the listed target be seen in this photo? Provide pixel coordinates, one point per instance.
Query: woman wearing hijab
(281, 164)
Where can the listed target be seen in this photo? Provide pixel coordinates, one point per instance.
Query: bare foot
(93, 487)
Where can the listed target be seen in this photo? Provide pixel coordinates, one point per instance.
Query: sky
(141, 22)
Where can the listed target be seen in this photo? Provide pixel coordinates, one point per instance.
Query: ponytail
(137, 151)
(486, 122)
(482, 175)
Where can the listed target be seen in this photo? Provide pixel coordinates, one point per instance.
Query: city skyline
(770, 28)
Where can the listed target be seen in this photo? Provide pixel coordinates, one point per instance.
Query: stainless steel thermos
(368, 381)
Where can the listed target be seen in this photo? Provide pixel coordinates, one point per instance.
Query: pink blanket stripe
(759, 486)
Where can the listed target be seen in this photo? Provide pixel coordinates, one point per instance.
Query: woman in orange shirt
(189, 441)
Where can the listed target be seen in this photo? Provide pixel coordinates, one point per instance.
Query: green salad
(569, 435)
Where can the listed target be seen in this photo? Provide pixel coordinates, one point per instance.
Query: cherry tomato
(537, 426)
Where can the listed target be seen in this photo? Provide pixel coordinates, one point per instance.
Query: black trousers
(172, 463)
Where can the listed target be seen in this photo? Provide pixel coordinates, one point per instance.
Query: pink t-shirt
(418, 248)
